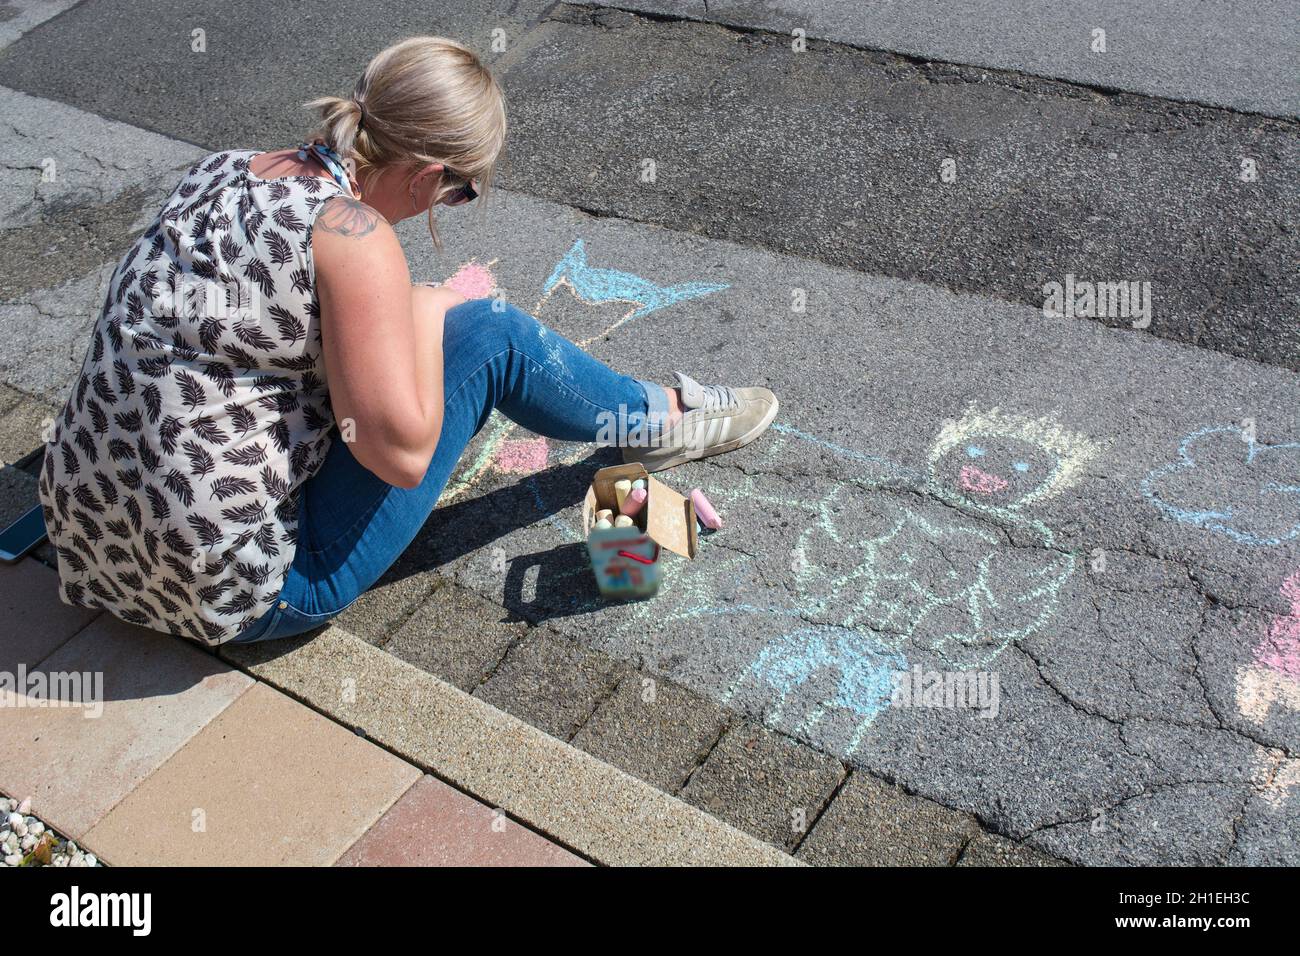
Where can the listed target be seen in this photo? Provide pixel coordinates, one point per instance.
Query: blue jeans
(352, 526)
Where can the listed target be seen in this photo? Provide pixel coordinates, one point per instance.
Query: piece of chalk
(639, 483)
(633, 502)
(603, 523)
(623, 521)
(621, 489)
(704, 510)
(604, 514)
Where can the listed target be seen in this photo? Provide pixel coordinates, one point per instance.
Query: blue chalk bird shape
(596, 286)
(1227, 482)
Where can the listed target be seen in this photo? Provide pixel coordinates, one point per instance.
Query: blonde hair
(423, 100)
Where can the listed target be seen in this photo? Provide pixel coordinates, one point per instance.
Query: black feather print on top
(170, 484)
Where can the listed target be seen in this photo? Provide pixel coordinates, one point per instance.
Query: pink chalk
(633, 502)
(704, 510)
(473, 281)
(521, 455)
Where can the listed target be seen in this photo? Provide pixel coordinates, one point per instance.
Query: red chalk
(633, 502)
(704, 510)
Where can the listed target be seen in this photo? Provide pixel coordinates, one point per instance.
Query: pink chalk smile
(974, 479)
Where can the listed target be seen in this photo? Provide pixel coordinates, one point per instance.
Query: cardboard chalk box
(627, 561)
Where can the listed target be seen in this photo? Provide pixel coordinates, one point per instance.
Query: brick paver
(268, 782)
(437, 825)
(33, 621)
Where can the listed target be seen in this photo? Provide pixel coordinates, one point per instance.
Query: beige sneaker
(715, 419)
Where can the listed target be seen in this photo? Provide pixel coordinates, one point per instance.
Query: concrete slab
(268, 782)
(569, 796)
(436, 825)
(146, 693)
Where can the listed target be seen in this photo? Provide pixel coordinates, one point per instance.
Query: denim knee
(495, 319)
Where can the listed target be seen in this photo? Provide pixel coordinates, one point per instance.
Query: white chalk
(623, 521)
(621, 489)
(603, 523)
(605, 514)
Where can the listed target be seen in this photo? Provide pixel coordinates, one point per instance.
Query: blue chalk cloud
(1225, 482)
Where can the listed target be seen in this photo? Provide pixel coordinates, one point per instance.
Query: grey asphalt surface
(1236, 53)
(834, 154)
(1144, 643)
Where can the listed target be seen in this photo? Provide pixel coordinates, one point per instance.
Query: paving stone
(269, 782)
(456, 635)
(380, 612)
(33, 621)
(437, 825)
(989, 849)
(764, 783)
(871, 823)
(22, 428)
(76, 762)
(654, 729)
(605, 814)
(551, 682)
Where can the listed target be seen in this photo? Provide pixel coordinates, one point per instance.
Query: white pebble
(29, 841)
(60, 861)
(25, 807)
(37, 827)
(13, 859)
(78, 859)
(14, 820)
(70, 848)
(90, 859)
(21, 828)
(11, 804)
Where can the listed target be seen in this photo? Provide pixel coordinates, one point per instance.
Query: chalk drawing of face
(992, 460)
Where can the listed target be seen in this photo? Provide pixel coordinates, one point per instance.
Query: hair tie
(360, 100)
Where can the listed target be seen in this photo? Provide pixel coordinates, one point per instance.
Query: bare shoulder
(349, 218)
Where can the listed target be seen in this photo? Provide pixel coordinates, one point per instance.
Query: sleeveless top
(170, 484)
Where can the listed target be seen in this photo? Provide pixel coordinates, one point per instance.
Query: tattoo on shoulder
(346, 216)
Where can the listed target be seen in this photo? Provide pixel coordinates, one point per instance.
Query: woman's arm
(382, 342)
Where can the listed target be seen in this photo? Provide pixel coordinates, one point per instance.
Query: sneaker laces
(717, 397)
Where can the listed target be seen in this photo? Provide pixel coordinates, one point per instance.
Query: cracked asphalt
(1097, 520)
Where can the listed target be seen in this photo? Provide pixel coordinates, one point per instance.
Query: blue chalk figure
(1227, 482)
(862, 672)
(598, 286)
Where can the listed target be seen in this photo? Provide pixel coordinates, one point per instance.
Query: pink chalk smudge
(973, 479)
(1280, 649)
(473, 281)
(521, 455)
